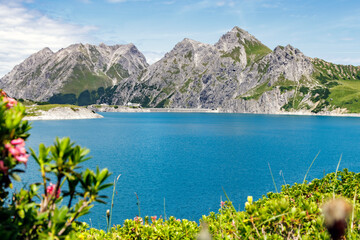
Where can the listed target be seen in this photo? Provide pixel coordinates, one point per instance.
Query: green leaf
(105, 186)
(16, 177)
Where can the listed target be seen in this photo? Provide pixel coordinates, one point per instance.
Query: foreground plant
(28, 214)
(297, 212)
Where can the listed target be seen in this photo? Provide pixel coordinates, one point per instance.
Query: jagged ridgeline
(78, 74)
(236, 74)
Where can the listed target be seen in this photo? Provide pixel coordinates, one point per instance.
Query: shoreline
(91, 112)
(202, 110)
(63, 113)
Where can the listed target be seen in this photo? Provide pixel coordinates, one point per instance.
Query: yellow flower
(250, 199)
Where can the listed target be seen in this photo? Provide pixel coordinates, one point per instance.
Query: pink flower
(22, 158)
(233, 223)
(138, 219)
(18, 141)
(17, 149)
(13, 151)
(2, 93)
(222, 204)
(10, 102)
(178, 220)
(153, 218)
(3, 168)
(51, 190)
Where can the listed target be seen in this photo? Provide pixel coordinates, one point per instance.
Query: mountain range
(236, 74)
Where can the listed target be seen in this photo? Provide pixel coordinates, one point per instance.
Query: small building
(130, 104)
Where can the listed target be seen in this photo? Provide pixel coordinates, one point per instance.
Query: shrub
(29, 214)
(294, 213)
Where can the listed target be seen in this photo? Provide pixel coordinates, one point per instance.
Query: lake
(187, 159)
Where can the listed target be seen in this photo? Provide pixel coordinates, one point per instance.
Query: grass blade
(310, 166)
(164, 211)
(138, 203)
(337, 168)
(228, 199)
(112, 203)
(353, 212)
(282, 174)
(272, 178)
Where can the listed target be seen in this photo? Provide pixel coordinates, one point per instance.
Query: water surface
(188, 158)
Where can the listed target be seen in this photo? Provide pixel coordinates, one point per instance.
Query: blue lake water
(188, 158)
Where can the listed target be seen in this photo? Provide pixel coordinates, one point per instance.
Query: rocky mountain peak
(46, 51)
(236, 29)
(102, 45)
(237, 37)
(188, 47)
(289, 52)
(186, 43)
(32, 61)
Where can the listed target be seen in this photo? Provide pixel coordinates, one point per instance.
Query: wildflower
(18, 141)
(3, 168)
(222, 204)
(249, 201)
(233, 223)
(50, 190)
(153, 218)
(108, 213)
(22, 158)
(10, 101)
(178, 220)
(2, 93)
(81, 236)
(138, 219)
(17, 149)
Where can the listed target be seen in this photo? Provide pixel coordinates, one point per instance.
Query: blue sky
(326, 29)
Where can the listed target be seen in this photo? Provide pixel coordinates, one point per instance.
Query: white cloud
(346, 60)
(24, 32)
(347, 39)
(152, 57)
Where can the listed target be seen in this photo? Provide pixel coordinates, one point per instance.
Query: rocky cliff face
(236, 74)
(70, 72)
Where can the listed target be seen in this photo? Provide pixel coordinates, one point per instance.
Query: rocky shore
(74, 112)
(108, 108)
(63, 113)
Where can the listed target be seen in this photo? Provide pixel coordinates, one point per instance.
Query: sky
(327, 29)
